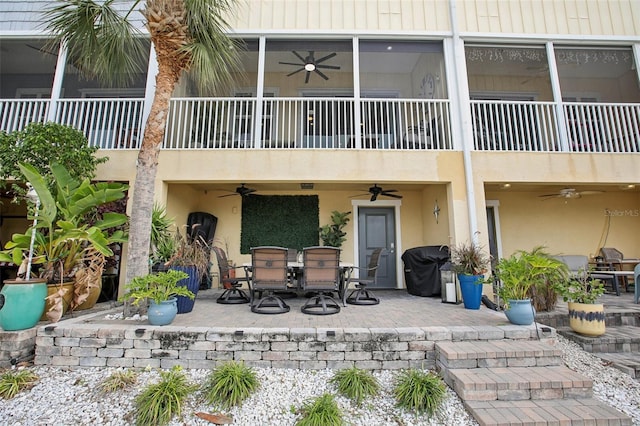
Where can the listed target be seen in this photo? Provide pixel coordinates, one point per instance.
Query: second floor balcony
(342, 123)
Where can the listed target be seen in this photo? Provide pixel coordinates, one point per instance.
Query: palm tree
(103, 43)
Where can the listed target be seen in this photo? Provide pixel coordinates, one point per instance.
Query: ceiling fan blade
(290, 63)
(295, 72)
(303, 60)
(43, 50)
(589, 192)
(306, 79)
(227, 195)
(324, 58)
(317, 71)
(374, 197)
(391, 195)
(329, 67)
(390, 190)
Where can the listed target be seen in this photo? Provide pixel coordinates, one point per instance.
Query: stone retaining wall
(105, 345)
(16, 346)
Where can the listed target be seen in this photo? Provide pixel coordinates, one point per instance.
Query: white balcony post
(56, 87)
(150, 89)
(636, 58)
(461, 106)
(557, 97)
(257, 116)
(357, 109)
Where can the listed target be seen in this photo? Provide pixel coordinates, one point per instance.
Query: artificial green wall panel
(290, 221)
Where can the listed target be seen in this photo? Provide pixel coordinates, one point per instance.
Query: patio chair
(579, 265)
(269, 273)
(616, 261)
(321, 276)
(232, 294)
(636, 287)
(360, 295)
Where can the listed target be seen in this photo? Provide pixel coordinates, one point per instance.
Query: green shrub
(419, 391)
(159, 402)
(321, 411)
(230, 384)
(119, 380)
(356, 384)
(13, 382)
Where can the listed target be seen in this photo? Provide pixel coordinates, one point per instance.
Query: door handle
(392, 248)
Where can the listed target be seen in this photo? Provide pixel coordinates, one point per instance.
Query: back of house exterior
(515, 122)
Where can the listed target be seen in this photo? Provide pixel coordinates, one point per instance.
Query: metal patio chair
(321, 275)
(232, 294)
(269, 274)
(361, 295)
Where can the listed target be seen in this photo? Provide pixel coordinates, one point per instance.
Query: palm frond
(101, 43)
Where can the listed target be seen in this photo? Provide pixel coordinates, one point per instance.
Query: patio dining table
(296, 268)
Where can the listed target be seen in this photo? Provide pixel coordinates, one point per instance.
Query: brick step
(624, 338)
(626, 362)
(497, 353)
(518, 383)
(546, 412)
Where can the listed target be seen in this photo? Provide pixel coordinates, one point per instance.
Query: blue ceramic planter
(163, 313)
(520, 312)
(471, 290)
(185, 304)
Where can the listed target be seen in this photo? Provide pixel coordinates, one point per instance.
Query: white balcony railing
(341, 123)
(15, 114)
(108, 123)
(328, 123)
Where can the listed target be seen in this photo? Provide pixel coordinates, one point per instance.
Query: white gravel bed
(72, 397)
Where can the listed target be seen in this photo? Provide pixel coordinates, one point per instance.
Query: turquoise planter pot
(471, 290)
(163, 313)
(23, 304)
(520, 312)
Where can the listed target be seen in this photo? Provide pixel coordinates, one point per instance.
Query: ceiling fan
(242, 191)
(311, 64)
(377, 191)
(568, 193)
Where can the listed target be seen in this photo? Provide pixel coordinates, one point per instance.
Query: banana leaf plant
(63, 238)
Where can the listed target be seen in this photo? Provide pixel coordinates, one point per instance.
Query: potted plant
(161, 291)
(470, 263)
(64, 243)
(192, 256)
(332, 235)
(582, 292)
(519, 274)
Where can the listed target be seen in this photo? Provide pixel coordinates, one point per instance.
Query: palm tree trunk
(144, 184)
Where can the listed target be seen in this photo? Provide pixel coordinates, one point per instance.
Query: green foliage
(419, 391)
(469, 259)
(580, 288)
(321, 411)
(13, 382)
(332, 234)
(279, 220)
(162, 243)
(157, 287)
(158, 403)
(230, 384)
(42, 144)
(119, 380)
(524, 270)
(356, 384)
(62, 232)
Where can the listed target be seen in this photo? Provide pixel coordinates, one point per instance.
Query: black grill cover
(422, 269)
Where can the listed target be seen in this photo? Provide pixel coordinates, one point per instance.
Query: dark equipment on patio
(201, 226)
(321, 275)
(362, 296)
(232, 294)
(422, 269)
(269, 273)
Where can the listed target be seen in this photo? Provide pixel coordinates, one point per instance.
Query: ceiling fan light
(309, 67)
